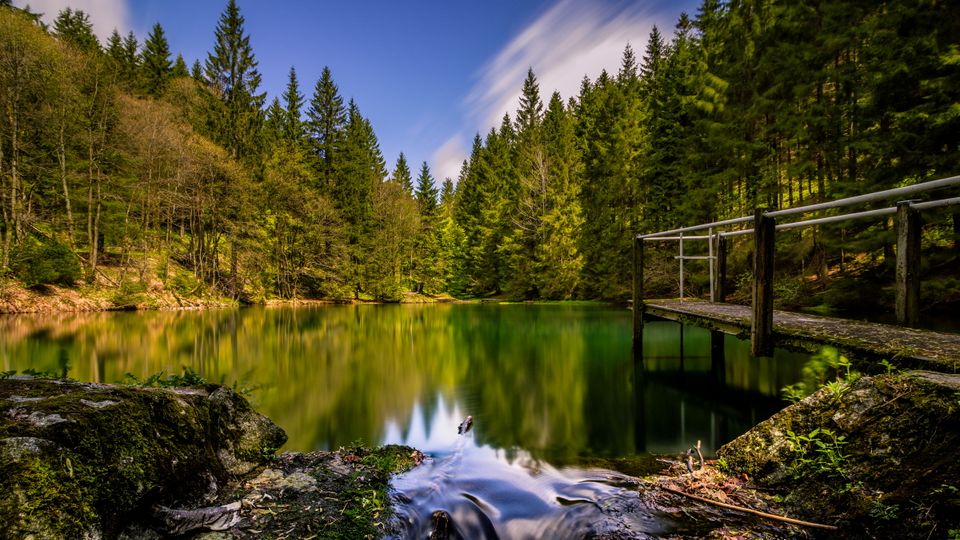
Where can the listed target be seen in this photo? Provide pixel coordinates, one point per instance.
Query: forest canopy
(119, 163)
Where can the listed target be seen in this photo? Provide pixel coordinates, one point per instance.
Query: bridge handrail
(848, 201)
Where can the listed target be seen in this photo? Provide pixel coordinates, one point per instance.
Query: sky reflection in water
(555, 391)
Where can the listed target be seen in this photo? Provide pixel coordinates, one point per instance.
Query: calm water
(552, 389)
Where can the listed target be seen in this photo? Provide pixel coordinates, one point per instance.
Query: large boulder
(877, 456)
(77, 459)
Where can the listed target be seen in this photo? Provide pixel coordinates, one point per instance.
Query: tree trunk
(62, 158)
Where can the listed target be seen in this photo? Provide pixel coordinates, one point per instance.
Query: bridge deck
(909, 347)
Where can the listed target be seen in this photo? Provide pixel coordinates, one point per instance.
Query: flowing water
(555, 391)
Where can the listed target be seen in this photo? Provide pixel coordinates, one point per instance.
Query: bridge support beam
(637, 291)
(908, 264)
(719, 291)
(761, 330)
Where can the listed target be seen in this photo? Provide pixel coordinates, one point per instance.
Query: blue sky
(428, 74)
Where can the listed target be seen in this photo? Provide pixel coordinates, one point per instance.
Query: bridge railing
(764, 227)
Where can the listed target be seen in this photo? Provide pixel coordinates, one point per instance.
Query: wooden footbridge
(764, 325)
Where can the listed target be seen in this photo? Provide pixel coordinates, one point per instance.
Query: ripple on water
(488, 495)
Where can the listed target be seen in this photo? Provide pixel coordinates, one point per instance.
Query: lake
(554, 389)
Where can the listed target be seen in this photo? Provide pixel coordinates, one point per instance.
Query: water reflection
(491, 493)
(555, 382)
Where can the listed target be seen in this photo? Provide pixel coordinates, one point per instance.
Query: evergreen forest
(123, 167)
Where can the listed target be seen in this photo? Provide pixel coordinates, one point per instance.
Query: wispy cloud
(105, 15)
(570, 40)
(448, 159)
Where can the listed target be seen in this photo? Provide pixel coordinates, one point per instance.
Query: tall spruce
(326, 127)
(426, 192)
(401, 174)
(155, 67)
(74, 27)
(293, 101)
(231, 71)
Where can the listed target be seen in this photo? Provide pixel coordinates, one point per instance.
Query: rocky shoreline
(81, 460)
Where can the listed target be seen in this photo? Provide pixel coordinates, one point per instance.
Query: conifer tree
(326, 123)
(426, 192)
(293, 101)
(74, 27)
(179, 67)
(155, 67)
(196, 72)
(558, 259)
(231, 71)
(401, 174)
(527, 199)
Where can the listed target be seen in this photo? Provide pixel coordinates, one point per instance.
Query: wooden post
(761, 330)
(637, 290)
(908, 264)
(719, 269)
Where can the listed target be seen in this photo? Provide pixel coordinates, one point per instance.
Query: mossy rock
(77, 459)
(894, 469)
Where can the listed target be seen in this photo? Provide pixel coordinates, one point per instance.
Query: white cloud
(105, 15)
(570, 40)
(448, 159)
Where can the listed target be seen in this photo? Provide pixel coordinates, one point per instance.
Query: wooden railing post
(761, 330)
(637, 290)
(719, 269)
(908, 264)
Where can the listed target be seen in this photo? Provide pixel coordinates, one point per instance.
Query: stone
(885, 444)
(77, 459)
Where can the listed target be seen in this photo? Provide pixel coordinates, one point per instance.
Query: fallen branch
(752, 511)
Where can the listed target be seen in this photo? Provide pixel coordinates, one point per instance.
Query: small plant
(884, 512)
(189, 378)
(820, 451)
(888, 367)
(7, 374)
(794, 392)
(828, 368)
(41, 374)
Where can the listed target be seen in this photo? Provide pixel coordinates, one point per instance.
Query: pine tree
(74, 27)
(530, 113)
(196, 72)
(401, 175)
(558, 259)
(326, 123)
(447, 193)
(426, 192)
(180, 67)
(155, 67)
(293, 106)
(429, 269)
(526, 204)
(231, 71)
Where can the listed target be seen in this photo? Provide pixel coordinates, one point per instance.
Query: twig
(752, 511)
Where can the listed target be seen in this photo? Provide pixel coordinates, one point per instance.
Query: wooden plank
(761, 332)
(908, 264)
(906, 347)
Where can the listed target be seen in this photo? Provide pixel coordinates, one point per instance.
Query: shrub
(49, 262)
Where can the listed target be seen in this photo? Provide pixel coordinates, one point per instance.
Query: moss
(119, 447)
(899, 442)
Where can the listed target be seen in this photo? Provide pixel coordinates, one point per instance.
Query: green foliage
(828, 369)
(884, 512)
(47, 262)
(818, 452)
(157, 380)
(741, 107)
(156, 69)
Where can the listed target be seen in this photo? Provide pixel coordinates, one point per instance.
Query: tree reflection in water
(555, 382)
